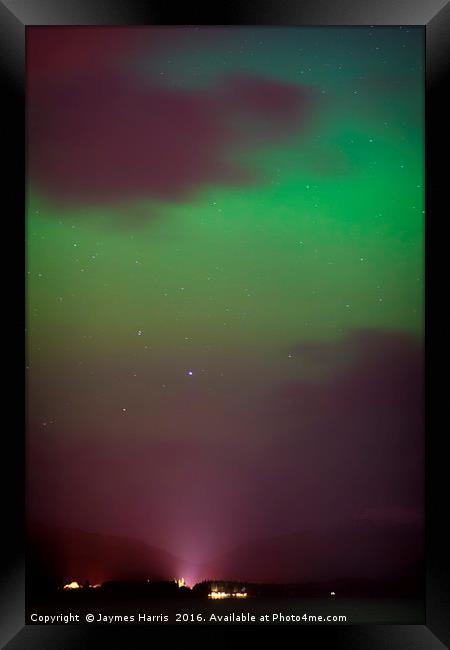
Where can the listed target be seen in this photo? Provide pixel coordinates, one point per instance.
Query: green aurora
(128, 295)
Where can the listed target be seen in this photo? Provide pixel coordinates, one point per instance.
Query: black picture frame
(15, 17)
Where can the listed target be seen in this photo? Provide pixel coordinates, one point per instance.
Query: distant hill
(362, 551)
(57, 554)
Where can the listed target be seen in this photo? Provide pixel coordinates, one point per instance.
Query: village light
(218, 595)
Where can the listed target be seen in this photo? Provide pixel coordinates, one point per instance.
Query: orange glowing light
(72, 585)
(217, 595)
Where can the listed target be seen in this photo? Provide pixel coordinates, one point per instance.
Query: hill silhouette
(363, 552)
(58, 554)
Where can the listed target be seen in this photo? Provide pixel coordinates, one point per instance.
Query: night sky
(224, 282)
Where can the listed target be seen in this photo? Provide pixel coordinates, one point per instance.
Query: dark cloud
(56, 54)
(362, 345)
(355, 438)
(98, 133)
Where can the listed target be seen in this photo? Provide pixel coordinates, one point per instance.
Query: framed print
(225, 228)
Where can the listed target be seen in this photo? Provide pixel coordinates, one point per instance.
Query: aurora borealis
(225, 284)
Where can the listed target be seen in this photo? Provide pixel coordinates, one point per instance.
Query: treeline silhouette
(407, 587)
